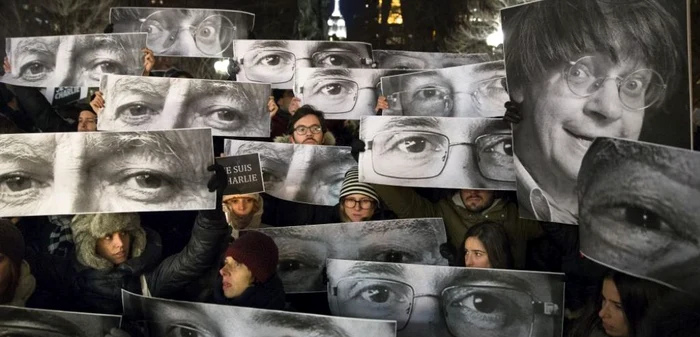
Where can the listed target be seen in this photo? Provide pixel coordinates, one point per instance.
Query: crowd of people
(82, 262)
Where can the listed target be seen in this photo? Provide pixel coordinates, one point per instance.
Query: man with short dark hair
(307, 126)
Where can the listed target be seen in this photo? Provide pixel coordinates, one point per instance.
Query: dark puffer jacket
(98, 290)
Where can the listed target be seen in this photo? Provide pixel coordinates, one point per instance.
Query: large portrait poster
(403, 59)
(16, 321)
(578, 70)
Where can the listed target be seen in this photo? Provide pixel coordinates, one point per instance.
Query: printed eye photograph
(154, 317)
(578, 70)
(303, 250)
(346, 94)
(186, 32)
(72, 60)
(463, 153)
(136, 103)
(47, 173)
(274, 61)
(436, 301)
(477, 90)
(310, 174)
(638, 203)
(25, 322)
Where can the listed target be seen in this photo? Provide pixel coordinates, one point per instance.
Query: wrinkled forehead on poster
(37, 322)
(72, 60)
(638, 207)
(403, 59)
(160, 316)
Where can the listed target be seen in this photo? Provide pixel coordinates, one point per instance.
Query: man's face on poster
(340, 93)
(400, 59)
(477, 90)
(25, 322)
(147, 103)
(303, 249)
(429, 301)
(274, 61)
(73, 60)
(87, 172)
(438, 152)
(297, 172)
(162, 318)
(184, 32)
(638, 204)
(574, 102)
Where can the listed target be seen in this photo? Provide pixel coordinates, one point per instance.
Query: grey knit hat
(352, 185)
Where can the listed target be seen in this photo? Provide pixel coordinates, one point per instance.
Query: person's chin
(310, 142)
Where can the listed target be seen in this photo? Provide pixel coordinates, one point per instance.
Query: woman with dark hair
(622, 304)
(486, 245)
(17, 283)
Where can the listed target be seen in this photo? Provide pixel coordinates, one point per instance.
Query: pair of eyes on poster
(47, 173)
(141, 103)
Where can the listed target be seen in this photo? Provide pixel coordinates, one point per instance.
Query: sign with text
(244, 174)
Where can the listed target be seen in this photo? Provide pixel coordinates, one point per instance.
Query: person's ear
(291, 139)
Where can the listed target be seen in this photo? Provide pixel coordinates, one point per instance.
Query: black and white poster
(578, 70)
(154, 317)
(135, 103)
(437, 301)
(244, 174)
(303, 249)
(341, 93)
(96, 172)
(403, 59)
(639, 210)
(274, 61)
(16, 321)
(476, 90)
(437, 152)
(309, 174)
(72, 60)
(192, 32)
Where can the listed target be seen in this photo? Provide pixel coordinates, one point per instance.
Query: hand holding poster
(244, 174)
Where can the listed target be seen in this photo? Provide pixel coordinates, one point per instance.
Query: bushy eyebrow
(399, 123)
(157, 87)
(268, 44)
(46, 45)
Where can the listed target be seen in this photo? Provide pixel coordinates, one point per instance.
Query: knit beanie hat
(258, 252)
(11, 242)
(352, 185)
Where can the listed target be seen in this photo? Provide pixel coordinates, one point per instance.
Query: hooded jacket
(406, 203)
(97, 283)
(252, 221)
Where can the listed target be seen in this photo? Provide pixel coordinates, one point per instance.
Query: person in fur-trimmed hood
(114, 252)
(243, 211)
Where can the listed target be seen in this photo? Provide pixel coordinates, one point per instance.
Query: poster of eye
(274, 61)
(244, 174)
(575, 74)
(638, 204)
(148, 316)
(49, 173)
(17, 321)
(302, 173)
(476, 90)
(72, 60)
(403, 59)
(134, 103)
(437, 301)
(341, 93)
(437, 152)
(211, 31)
(303, 249)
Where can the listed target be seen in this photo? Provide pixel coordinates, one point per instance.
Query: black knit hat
(11, 242)
(256, 251)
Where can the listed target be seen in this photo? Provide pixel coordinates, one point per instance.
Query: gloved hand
(449, 253)
(512, 114)
(218, 183)
(356, 146)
